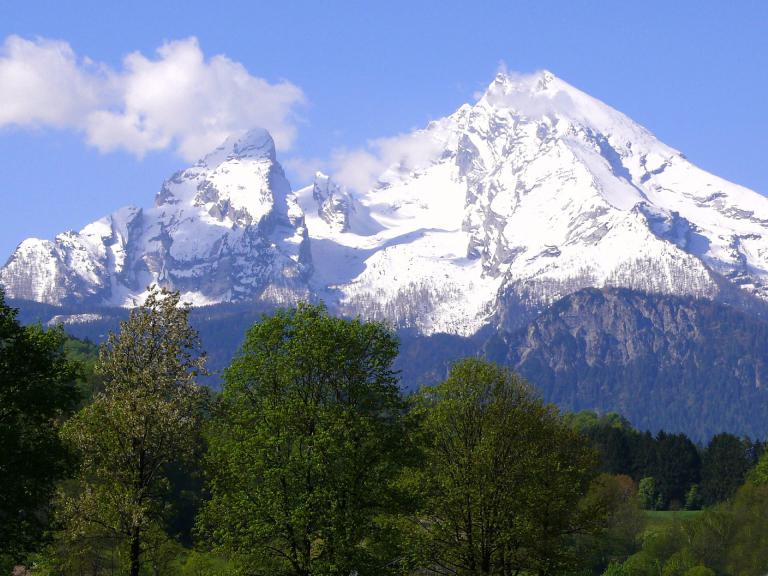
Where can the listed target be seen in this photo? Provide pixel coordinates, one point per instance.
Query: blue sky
(342, 73)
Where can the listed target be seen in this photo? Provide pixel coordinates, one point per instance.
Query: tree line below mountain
(674, 363)
(310, 461)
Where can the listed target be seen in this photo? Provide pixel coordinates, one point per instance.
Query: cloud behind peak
(176, 99)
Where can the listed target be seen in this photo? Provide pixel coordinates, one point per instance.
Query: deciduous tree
(502, 483)
(304, 446)
(146, 420)
(37, 391)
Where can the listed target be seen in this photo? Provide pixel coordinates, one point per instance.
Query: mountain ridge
(491, 215)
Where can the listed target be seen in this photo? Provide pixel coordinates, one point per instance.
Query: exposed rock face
(669, 362)
(538, 225)
(677, 363)
(535, 192)
(334, 204)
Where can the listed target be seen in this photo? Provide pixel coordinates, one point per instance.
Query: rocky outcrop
(334, 204)
(682, 364)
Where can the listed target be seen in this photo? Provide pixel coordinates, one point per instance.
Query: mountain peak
(535, 82)
(255, 143)
(508, 204)
(534, 95)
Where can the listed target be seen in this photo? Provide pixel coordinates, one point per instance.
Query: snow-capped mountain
(534, 192)
(537, 191)
(226, 229)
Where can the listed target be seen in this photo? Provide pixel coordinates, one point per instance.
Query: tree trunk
(135, 554)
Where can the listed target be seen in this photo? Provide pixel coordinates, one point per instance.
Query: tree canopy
(146, 420)
(305, 444)
(38, 391)
(502, 479)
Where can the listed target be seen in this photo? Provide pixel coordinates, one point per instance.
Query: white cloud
(42, 83)
(360, 169)
(304, 168)
(176, 99)
(531, 94)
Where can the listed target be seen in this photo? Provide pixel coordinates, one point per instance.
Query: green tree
(724, 468)
(700, 570)
(708, 536)
(145, 421)
(748, 544)
(625, 522)
(614, 442)
(37, 392)
(679, 563)
(615, 569)
(693, 500)
(641, 564)
(86, 355)
(704, 543)
(660, 547)
(647, 494)
(677, 468)
(304, 446)
(759, 474)
(503, 480)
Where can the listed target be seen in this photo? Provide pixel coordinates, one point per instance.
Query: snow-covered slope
(226, 229)
(534, 192)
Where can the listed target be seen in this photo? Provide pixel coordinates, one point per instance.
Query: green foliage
(708, 392)
(641, 564)
(676, 468)
(86, 354)
(699, 570)
(671, 459)
(748, 544)
(304, 446)
(624, 526)
(164, 558)
(725, 465)
(658, 553)
(195, 563)
(759, 474)
(730, 539)
(145, 421)
(693, 499)
(647, 495)
(37, 391)
(678, 563)
(316, 467)
(503, 481)
(674, 462)
(615, 569)
(587, 420)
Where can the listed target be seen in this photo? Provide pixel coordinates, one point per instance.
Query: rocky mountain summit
(226, 229)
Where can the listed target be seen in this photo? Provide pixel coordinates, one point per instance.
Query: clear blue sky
(695, 73)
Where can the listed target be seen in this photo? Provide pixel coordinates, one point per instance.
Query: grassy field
(660, 518)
